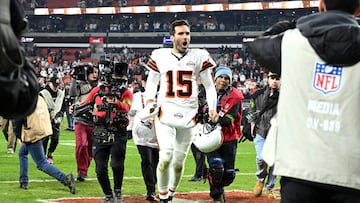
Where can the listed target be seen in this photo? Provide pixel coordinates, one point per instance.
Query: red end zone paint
(194, 197)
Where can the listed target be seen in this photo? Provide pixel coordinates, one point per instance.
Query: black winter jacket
(334, 35)
(264, 107)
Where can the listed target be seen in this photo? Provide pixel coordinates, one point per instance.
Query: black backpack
(18, 82)
(19, 93)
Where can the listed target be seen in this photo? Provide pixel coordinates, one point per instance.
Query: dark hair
(177, 23)
(348, 6)
(90, 68)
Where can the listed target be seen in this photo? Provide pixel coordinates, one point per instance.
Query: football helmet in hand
(208, 137)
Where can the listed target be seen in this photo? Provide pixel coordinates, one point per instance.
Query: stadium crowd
(31, 4)
(247, 74)
(56, 67)
(59, 60)
(230, 21)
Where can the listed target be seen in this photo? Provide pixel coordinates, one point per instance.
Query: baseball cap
(273, 75)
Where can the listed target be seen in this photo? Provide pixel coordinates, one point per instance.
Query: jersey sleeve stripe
(152, 64)
(160, 113)
(206, 65)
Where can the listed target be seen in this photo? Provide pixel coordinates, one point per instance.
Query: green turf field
(42, 186)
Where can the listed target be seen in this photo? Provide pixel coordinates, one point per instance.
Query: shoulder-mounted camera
(81, 71)
(113, 73)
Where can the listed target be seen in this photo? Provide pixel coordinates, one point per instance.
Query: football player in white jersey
(177, 70)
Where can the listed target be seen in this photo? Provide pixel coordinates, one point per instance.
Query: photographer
(85, 79)
(112, 101)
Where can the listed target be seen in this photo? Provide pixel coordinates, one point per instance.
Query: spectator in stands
(244, 20)
(42, 79)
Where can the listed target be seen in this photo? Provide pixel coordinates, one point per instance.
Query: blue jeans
(70, 121)
(36, 151)
(263, 170)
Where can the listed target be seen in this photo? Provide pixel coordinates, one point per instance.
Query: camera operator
(85, 79)
(112, 101)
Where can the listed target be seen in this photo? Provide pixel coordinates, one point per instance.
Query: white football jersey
(179, 75)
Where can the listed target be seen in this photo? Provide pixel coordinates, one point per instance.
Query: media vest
(318, 116)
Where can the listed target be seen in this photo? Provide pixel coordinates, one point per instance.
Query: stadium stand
(55, 41)
(61, 3)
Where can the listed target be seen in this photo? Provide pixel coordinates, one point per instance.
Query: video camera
(114, 77)
(81, 71)
(113, 73)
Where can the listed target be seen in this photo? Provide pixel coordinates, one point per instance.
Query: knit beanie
(223, 70)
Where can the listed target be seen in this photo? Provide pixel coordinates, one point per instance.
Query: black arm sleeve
(225, 121)
(266, 50)
(280, 27)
